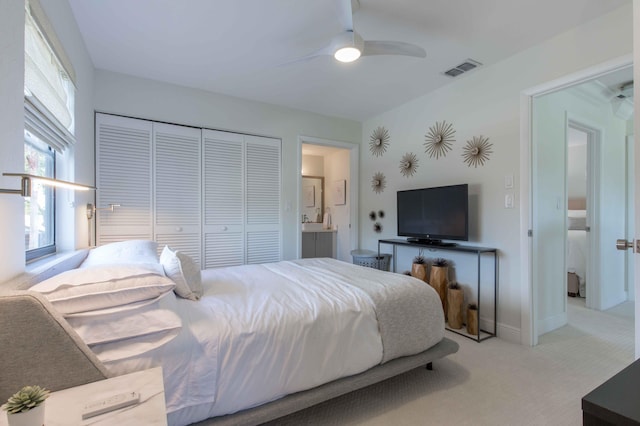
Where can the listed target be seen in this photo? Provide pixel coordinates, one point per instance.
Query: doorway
(335, 164)
(553, 110)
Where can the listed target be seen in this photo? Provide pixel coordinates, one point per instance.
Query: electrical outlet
(508, 181)
(508, 200)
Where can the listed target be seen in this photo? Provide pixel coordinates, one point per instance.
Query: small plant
(419, 259)
(25, 399)
(454, 286)
(441, 262)
(473, 306)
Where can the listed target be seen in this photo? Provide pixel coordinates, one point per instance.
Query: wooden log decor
(439, 280)
(419, 271)
(472, 319)
(455, 300)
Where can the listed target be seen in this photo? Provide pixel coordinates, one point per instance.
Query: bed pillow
(125, 322)
(106, 286)
(132, 251)
(184, 272)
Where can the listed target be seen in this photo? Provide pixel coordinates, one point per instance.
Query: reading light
(347, 54)
(25, 185)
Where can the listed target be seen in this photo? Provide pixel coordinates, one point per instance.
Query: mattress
(261, 332)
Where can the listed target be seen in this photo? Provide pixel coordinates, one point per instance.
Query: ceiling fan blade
(327, 50)
(376, 47)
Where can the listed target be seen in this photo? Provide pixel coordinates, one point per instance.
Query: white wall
(577, 172)
(11, 135)
(142, 98)
(484, 102)
(72, 225)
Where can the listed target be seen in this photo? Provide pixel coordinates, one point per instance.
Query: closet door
(263, 219)
(177, 213)
(223, 198)
(123, 176)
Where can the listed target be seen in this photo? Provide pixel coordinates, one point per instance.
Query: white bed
(261, 332)
(577, 248)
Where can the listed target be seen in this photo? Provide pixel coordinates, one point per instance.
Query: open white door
(636, 125)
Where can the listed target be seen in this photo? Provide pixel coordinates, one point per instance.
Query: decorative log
(472, 321)
(455, 300)
(419, 271)
(439, 280)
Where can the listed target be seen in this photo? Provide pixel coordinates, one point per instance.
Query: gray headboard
(38, 346)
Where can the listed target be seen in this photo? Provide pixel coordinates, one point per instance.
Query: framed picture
(309, 196)
(340, 192)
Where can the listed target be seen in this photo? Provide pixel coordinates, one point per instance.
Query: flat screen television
(431, 215)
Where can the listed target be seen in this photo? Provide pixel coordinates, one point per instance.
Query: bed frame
(32, 322)
(305, 399)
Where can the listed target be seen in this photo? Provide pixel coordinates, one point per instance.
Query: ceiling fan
(349, 45)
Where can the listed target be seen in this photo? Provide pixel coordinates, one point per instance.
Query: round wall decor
(378, 183)
(439, 139)
(377, 227)
(408, 164)
(379, 141)
(477, 151)
(372, 215)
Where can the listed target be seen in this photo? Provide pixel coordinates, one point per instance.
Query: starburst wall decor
(379, 141)
(439, 139)
(378, 183)
(408, 164)
(477, 151)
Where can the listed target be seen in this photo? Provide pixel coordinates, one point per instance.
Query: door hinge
(530, 233)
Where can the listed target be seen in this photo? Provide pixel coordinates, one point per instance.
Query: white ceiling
(238, 48)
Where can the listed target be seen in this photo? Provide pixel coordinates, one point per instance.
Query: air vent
(467, 65)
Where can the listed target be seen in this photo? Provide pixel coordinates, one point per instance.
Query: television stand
(478, 253)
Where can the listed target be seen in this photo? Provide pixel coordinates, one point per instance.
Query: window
(49, 124)
(39, 209)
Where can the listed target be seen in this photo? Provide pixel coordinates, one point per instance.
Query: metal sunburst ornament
(408, 164)
(372, 215)
(477, 151)
(439, 139)
(377, 227)
(378, 183)
(379, 141)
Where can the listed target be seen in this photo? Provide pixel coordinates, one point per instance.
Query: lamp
(25, 184)
(348, 46)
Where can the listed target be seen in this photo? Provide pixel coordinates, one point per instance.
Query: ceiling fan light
(347, 54)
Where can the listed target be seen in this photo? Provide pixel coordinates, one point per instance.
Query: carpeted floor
(495, 382)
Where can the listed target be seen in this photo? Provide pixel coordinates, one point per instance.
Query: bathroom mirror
(312, 198)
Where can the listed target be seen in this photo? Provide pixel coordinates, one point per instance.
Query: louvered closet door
(123, 176)
(223, 198)
(177, 188)
(263, 219)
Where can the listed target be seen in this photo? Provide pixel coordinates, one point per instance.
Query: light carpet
(495, 382)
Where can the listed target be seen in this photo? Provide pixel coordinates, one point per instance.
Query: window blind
(49, 91)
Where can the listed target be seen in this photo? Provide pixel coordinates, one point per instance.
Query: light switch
(508, 200)
(508, 181)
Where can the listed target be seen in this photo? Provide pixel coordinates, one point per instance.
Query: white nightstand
(65, 407)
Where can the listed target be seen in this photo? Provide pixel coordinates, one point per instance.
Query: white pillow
(88, 289)
(132, 251)
(125, 322)
(184, 272)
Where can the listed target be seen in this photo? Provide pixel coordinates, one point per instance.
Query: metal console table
(478, 251)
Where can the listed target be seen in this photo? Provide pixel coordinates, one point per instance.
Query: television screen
(438, 213)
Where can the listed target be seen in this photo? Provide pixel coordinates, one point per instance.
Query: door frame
(528, 327)
(352, 190)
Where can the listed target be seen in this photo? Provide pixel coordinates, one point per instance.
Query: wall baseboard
(551, 323)
(505, 332)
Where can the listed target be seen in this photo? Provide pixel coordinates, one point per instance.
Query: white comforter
(258, 333)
